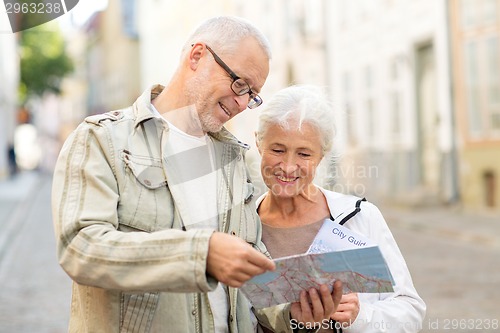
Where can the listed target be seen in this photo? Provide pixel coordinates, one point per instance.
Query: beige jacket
(119, 227)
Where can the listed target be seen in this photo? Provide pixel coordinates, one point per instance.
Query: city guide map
(336, 253)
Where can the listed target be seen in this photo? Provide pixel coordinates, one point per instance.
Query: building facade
(475, 41)
(414, 125)
(391, 77)
(112, 57)
(9, 74)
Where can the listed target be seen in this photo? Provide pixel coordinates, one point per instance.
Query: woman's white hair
(299, 104)
(224, 33)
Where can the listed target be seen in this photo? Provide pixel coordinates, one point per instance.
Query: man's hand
(317, 307)
(232, 261)
(348, 309)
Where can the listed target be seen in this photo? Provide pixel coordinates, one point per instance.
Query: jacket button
(193, 312)
(147, 182)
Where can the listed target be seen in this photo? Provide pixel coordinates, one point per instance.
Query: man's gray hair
(224, 33)
(299, 104)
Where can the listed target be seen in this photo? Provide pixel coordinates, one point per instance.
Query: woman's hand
(315, 307)
(348, 310)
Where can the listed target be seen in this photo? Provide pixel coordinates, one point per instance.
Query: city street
(405, 93)
(453, 258)
(454, 261)
(36, 292)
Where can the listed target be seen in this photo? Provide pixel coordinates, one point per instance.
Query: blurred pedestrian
(11, 156)
(152, 204)
(295, 132)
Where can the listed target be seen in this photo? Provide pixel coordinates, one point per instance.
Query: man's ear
(196, 53)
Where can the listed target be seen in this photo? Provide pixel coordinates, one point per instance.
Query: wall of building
(480, 177)
(9, 74)
(386, 63)
(113, 62)
(391, 73)
(475, 41)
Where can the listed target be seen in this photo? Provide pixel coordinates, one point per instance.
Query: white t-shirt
(193, 160)
(198, 184)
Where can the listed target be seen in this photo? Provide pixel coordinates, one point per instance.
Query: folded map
(351, 258)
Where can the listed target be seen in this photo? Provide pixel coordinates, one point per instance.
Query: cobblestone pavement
(454, 259)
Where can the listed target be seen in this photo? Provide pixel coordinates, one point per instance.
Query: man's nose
(242, 102)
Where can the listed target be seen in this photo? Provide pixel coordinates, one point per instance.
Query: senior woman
(295, 132)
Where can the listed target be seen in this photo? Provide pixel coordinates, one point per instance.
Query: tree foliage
(44, 61)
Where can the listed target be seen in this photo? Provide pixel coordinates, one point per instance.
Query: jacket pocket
(148, 171)
(145, 200)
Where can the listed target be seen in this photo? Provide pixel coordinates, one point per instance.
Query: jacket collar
(225, 136)
(143, 108)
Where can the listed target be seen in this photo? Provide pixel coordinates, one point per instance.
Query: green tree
(44, 61)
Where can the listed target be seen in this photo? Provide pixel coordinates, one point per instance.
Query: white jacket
(400, 311)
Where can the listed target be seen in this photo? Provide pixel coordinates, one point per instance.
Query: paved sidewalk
(15, 189)
(15, 195)
(450, 222)
(453, 257)
(36, 292)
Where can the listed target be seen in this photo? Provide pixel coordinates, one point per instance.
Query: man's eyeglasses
(238, 86)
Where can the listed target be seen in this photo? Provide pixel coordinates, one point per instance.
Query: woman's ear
(257, 143)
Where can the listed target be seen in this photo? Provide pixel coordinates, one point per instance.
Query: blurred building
(73, 100)
(475, 42)
(391, 78)
(9, 77)
(414, 83)
(112, 57)
(106, 76)
(164, 27)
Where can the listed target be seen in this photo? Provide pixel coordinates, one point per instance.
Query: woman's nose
(289, 166)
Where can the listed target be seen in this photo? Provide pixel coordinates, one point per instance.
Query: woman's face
(290, 158)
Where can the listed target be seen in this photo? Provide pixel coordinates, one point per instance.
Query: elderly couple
(154, 213)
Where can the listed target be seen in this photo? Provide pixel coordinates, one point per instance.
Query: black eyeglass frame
(254, 99)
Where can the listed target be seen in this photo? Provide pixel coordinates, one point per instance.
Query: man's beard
(208, 121)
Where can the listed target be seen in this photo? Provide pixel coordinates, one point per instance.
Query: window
(349, 111)
(472, 87)
(493, 82)
(313, 21)
(370, 112)
(369, 104)
(395, 95)
(477, 13)
(396, 114)
(482, 65)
